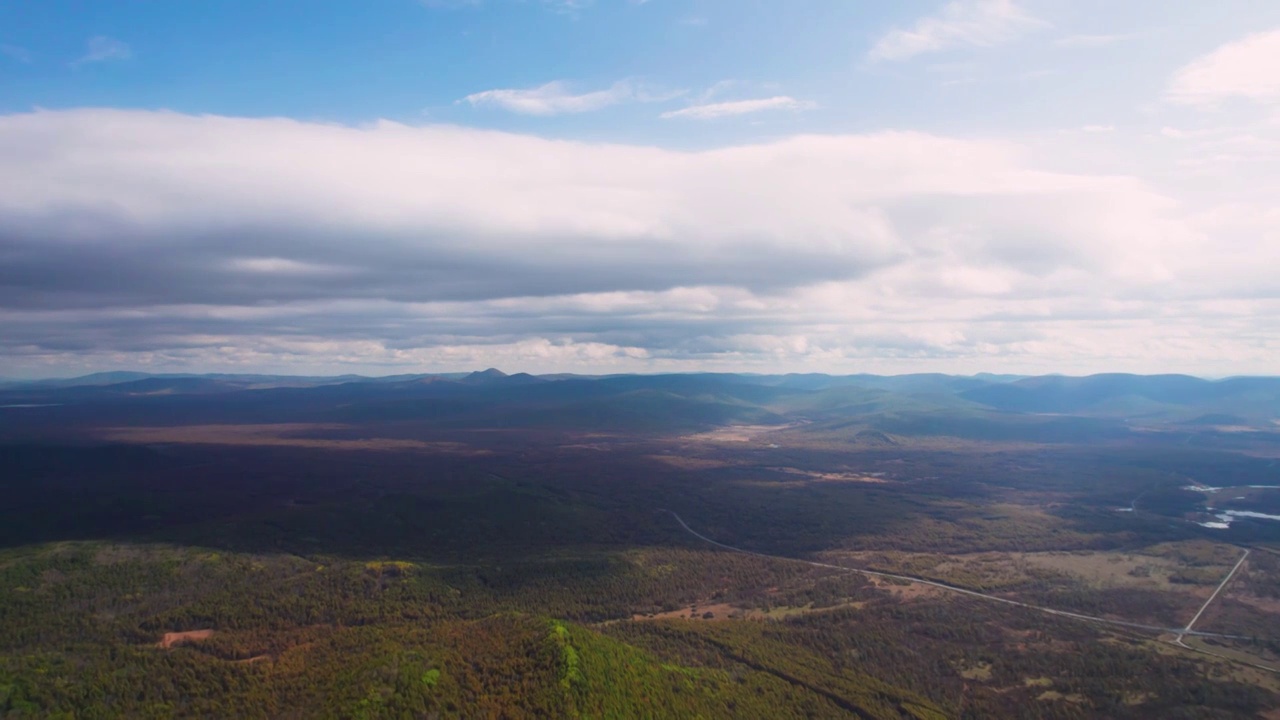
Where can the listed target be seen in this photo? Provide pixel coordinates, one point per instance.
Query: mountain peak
(482, 376)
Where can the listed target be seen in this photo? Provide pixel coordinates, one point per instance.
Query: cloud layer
(153, 238)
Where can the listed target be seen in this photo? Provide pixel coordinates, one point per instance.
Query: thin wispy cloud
(1248, 68)
(558, 98)
(15, 52)
(101, 48)
(712, 111)
(961, 23)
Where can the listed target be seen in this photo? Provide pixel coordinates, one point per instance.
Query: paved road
(1180, 632)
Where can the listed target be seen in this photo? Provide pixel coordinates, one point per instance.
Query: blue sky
(413, 61)
(1003, 185)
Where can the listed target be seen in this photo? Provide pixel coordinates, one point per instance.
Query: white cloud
(101, 48)
(1248, 68)
(961, 23)
(556, 98)
(711, 111)
(1098, 129)
(136, 237)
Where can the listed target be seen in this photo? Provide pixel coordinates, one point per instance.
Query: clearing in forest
(178, 638)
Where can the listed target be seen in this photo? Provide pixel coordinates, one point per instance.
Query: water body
(1251, 514)
(30, 405)
(1210, 489)
(1225, 517)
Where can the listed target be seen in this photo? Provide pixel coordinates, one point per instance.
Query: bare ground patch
(689, 463)
(980, 671)
(737, 433)
(809, 477)
(179, 638)
(1051, 695)
(834, 476)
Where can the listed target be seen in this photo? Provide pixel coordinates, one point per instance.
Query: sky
(602, 186)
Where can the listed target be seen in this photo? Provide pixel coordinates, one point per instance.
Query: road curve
(973, 593)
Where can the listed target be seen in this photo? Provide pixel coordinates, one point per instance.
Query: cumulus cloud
(557, 98)
(1248, 68)
(158, 239)
(711, 111)
(961, 23)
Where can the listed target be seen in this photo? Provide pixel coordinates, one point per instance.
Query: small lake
(1225, 517)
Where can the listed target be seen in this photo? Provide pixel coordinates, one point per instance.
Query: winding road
(1180, 632)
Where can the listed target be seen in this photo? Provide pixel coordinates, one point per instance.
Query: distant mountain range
(981, 406)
